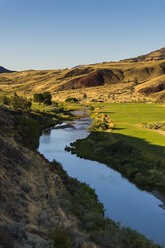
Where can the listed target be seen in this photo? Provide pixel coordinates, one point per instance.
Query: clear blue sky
(49, 34)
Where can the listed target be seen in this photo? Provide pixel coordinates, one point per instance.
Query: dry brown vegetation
(41, 206)
(139, 79)
(31, 195)
(109, 82)
(156, 55)
(154, 87)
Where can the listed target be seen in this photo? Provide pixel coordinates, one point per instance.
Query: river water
(123, 201)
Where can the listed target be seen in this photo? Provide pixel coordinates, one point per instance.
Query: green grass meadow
(128, 118)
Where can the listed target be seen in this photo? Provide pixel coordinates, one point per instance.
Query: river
(123, 201)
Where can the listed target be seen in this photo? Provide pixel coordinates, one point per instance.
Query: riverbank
(42, 197)
(52, 146)
(103, 231)
(127, 119)
(160, 197)
(123, 153)
(132, 163)
(32, 195)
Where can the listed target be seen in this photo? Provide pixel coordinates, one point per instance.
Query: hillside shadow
(141, 144)
(136, 159)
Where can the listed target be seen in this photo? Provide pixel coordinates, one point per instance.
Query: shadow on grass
(100, 112)
(118, 128)
(139, 143)
(142, 163)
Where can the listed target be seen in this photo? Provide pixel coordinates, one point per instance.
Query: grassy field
(128, 119)
(137, 153)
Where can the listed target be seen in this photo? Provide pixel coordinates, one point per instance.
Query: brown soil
(93, 79)
(78, 72)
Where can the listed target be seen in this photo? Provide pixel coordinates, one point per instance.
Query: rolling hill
(4, 70)
(139, 79)
(156, 55)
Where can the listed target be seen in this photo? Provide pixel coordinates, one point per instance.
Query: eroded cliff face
(31, 195)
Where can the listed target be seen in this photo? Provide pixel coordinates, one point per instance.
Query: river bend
(122, 200)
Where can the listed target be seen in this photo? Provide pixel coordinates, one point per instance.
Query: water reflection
(122, 200)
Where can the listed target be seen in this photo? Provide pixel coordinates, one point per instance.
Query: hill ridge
(134, 80)
(4, 70)
(154, 55)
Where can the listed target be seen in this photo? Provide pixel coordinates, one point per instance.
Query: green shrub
(61, 238)
(85, 95)
(47, 98)
(28, 131)
(72, 100)
(38, 97)
(133, 163)
(44, 98)
(20, 103)
(5, 100)
(156, 126)
(90, 212)
(85, 204)
(99, 124)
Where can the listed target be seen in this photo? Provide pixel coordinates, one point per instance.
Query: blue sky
(49, 34)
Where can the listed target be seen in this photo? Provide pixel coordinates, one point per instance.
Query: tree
(47, 98)
(20, 103)
(38, 97)
(44, 98)
(72, 100)
(5, 100)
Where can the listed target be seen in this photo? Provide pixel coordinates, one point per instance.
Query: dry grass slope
(156, 55)
(31, 195)
(123, 81)
(154, 87)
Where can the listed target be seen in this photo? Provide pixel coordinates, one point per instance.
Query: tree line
(17, 102)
